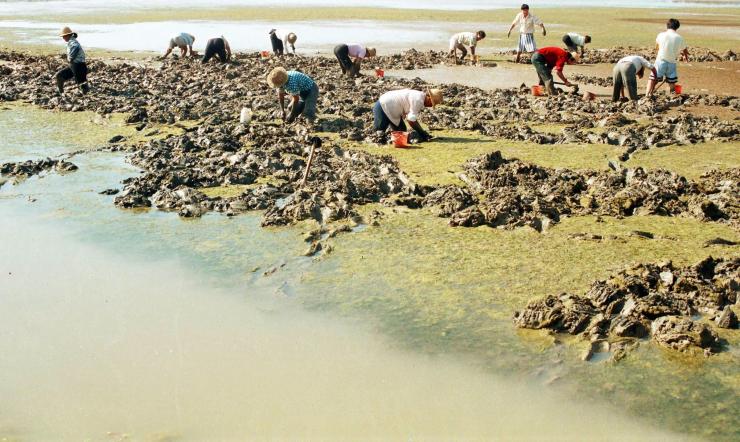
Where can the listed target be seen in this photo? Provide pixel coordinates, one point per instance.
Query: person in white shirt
(574, 42)
(280, 45)
(526, 23)
(670, 46)
(350, 57)
(405, 104)
(626, 72)
(183, 41)
(463, 39)
(290, 39)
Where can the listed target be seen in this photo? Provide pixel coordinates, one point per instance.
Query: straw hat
(292, 38)
(66, 31)
(436, 96)
(370, 52)
(277, 77)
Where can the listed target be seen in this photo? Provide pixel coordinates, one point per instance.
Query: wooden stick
(315, 142)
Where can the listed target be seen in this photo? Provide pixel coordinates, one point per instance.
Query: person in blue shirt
(77, 67)
(303, 91)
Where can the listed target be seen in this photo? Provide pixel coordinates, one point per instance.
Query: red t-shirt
(554, 56)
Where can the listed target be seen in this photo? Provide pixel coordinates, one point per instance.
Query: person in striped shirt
(77, 66)
(303, 91)
(463, 39)
(526, 23)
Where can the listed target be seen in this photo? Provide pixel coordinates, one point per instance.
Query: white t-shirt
(577, 39)
(403, 103)
(638, 61)
(181, 40)
(526, 25)
(357, 51)
(465, 39)
(670, 45)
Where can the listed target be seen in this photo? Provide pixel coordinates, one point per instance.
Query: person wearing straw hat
(526, 23)
(546, 59)
(625, 74)
(290, 39)
(303, 91)
(393, 107)
(218, 47)
(77, 68)
(184, 42)
(350, 57)
(276, 42)
(463, 39)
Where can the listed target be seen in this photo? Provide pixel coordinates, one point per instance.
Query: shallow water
(120, 323)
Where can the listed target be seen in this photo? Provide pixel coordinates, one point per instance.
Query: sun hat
(435, 95)
(277, 77)
(66, 31)
(292, 37)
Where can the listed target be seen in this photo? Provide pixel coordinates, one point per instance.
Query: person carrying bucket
(463, 39)
(184, 42)
(626, 72)
(526, 23)
(77, 68)
(549, 58)
(218, 47)
(303, 91)
(670, 47)
(350, 57)
(393, 107)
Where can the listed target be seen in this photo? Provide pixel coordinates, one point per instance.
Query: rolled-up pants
(625, 75)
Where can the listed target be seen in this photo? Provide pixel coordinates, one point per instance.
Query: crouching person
(546, 59)
(218, 47)
(626, 72)
(77, 67)
(303, 91)
(350, 57)
(406, 104)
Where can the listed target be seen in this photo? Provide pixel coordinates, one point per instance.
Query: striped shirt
(298, 82)
(75, 54)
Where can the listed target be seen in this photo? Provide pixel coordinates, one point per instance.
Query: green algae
(442, 289)
(690, 161)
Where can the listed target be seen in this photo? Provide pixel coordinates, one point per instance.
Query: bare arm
(562, 77)
(281, 99)
(685, 54)
(544, 31)
(510, 29)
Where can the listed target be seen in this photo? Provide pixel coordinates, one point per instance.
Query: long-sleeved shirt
(554, 56)
(75, 53)
(403, 103)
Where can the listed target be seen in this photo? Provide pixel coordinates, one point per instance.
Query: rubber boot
(60, 85)
(85, 88)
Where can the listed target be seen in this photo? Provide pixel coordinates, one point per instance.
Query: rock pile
(30, 168)
(647, 300)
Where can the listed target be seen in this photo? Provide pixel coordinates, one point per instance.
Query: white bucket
(246, 115)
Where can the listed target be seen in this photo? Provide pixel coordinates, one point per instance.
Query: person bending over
(546, 59)
(303, 91)
(184, 42)
(625, 74)
(393, 107)
(463, 39)
(218, 47)
(350, 57)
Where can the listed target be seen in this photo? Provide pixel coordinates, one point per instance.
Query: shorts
(666, 71)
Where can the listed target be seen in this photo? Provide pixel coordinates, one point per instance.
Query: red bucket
(265, 54)
(537, 90)
(677, 89)
(379, 73)
(400, 138)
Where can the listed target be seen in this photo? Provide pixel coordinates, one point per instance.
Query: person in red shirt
(546, 59)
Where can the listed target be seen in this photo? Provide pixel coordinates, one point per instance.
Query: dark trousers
(381, 120)
(277, 44)
(342, 54)
(306, 105)
(78, 71)
(543, 70)
(215, 47)
(569, 43)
